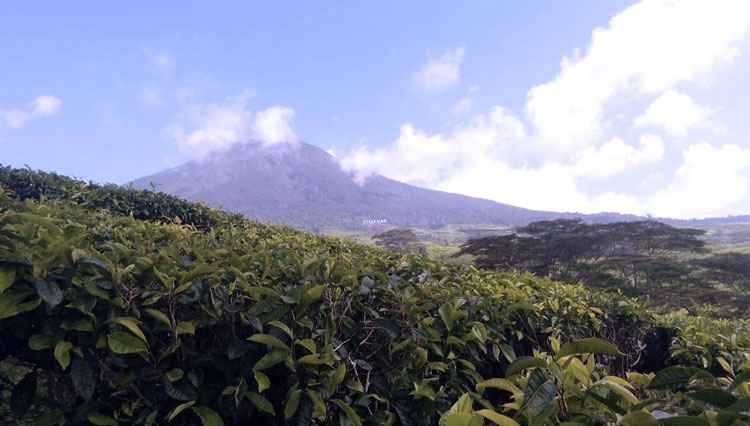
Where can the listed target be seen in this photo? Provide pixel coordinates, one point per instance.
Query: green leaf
(77, 254)
(269, 340)
(313, 293)
(263, 381)
(448, 315)
(319, 407)
(742, 377)
(496, 418)
(716, 398)
(522, 363)
(208, 416)
(179, 409)
(62, 353)
(683, 421)
(308, 344)
(180, 390)
(315, 359)
(159, 316)
(304, 418)
(674, 377)
(165, 280)
(100, 419)
(503, 384)
(23, 395)
(123, 343)
(463, 404)
(355, 386)
(270, 359)
(131, 324)
(94, 263)
(291, 404)
(40, 342)
(350, 413)
(336, 377)
(617, 388)
(742, 406)
(11, 303)
(261, 403)
(508, 352)
(41, 221)
(639, 418)
(461, 419)
(185, 327)
(174, 374)
(539, 393)
(591, 345)
(48, 291)
(83, 377)
(285, 328)
(7, 277)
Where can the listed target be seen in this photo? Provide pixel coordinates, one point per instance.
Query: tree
(397, 239)
(639, 255)
(731, 269)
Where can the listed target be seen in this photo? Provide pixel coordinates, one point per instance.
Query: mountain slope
(305, 188)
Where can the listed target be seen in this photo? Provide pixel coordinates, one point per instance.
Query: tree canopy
(637, 255)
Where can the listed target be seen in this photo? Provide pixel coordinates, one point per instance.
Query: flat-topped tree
(730, 269)
(637, 253)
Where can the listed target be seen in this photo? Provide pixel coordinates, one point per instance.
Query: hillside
(304, 187)
(125, 307)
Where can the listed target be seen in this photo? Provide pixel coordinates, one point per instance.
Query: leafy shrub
(144, 205)
(570, 387)
(106, 318)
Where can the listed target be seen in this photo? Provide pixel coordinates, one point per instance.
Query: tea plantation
(125, 307)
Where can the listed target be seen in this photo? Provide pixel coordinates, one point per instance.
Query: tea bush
(120, 307)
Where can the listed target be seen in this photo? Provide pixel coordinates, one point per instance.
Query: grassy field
(449, 236)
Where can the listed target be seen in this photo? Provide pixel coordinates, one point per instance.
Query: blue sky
(627, 106)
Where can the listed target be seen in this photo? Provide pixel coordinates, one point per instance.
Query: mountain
(304, 187)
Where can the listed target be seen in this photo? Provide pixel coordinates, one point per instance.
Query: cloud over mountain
(588, 127)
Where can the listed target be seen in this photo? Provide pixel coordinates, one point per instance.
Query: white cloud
(215, 126)
(463, 106)
(159, 60)
(566, 148)
(646, 49)
(43, 106)
(674, 111)
(273, 126)
(426, 160)
(441, 73)
(472, 160)
(708, 180)
(615, 157)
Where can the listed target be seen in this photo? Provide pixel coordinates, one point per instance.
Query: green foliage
(397, 239)
(643, 258)
(112, 319)
(141, 204)
(573, 388)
